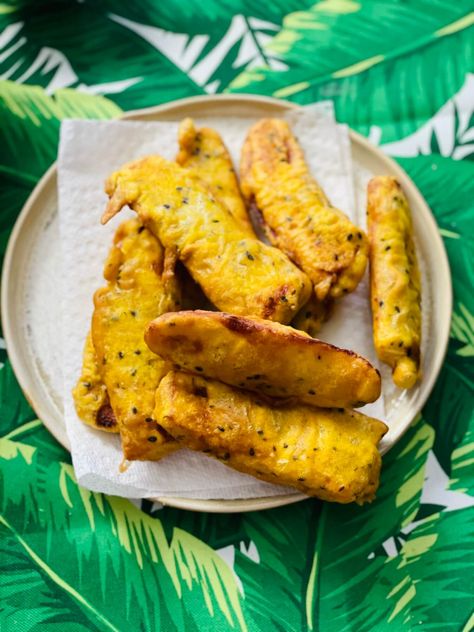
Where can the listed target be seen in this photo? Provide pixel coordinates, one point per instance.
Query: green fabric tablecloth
(399, 73)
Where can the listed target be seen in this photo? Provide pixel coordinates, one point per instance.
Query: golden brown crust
(141, 285)
(203, 150)
(90, 394)
(327, 453)
(313, 315)
(238, 274)
(297, 214)
(265, 357)
(394, 280)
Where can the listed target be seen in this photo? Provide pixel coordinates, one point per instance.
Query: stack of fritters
(238, 384)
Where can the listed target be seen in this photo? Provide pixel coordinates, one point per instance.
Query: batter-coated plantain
(328, 453)
(394, 280)
(313, 315)
(204, 151)
(141, 285)
(236, 272)
(262, 356)
(90, 394)
(297, 214)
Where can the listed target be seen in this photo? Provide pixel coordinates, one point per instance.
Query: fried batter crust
(90, 394)
(203, 150)
(297, 215)
(237, 273)
(141, 285)
(262, 356)
(394, 280)
(327, 453)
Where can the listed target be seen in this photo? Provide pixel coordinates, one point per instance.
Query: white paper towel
(89, 151)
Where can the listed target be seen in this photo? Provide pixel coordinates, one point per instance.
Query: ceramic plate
(36, 230)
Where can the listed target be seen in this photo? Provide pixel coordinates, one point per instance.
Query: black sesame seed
(341, 488)
(336, 257)
(179, 188)
(400, 344)
(397, 309)
(285, 445)
(133, 372)
(141, 229)
(251, 452)
(260, 432)
(198, 368)
(166, 205)
(221, 428)
(152, 439)
(185, 201)
(249, 256)
(148, 419)
(387, 247)
(311, 392)
(381, 303)
(87, 384)
(120, 354)
(133, 312)
(215, 221)
(283, 298)
(274, 449)
(301, 478)
(349, 236)
(359, 235)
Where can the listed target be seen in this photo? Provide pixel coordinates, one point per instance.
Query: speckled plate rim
(196, 106)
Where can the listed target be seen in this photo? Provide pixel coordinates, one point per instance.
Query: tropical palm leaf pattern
(400, 73)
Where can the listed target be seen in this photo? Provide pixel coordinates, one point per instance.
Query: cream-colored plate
(38, 220)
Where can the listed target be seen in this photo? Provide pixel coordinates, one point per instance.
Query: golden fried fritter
(237, 273)
(141, 285)
(204, 151)
(394, 280)
(323, 452)
(313, 315)
(90, 395)
(298, 217)
(266, 357)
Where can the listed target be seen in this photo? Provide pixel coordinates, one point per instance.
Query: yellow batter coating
(141, 285)
(394, 280)
(204, 151)
(313, 315)
(262, 356)
(299, 219)
(237, 273)
(328, 453)
(90, 395)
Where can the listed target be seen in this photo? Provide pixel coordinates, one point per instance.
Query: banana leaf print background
(399, 73)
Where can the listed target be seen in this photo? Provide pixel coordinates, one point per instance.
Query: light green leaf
(213, 41)
(29, 137)
(462, 328)
(48, 48)
(164, 585)
(353, 543)
(367, 58)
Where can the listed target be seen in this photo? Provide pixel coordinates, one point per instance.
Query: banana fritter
(204, 151)
(141, 285)
(394, 280)
(328, 453)
(313, 315)
(237, 273)
(90, 394)
(297, 215)
(262, 356)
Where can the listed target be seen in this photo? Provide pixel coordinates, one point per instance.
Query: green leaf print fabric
(402, 74)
